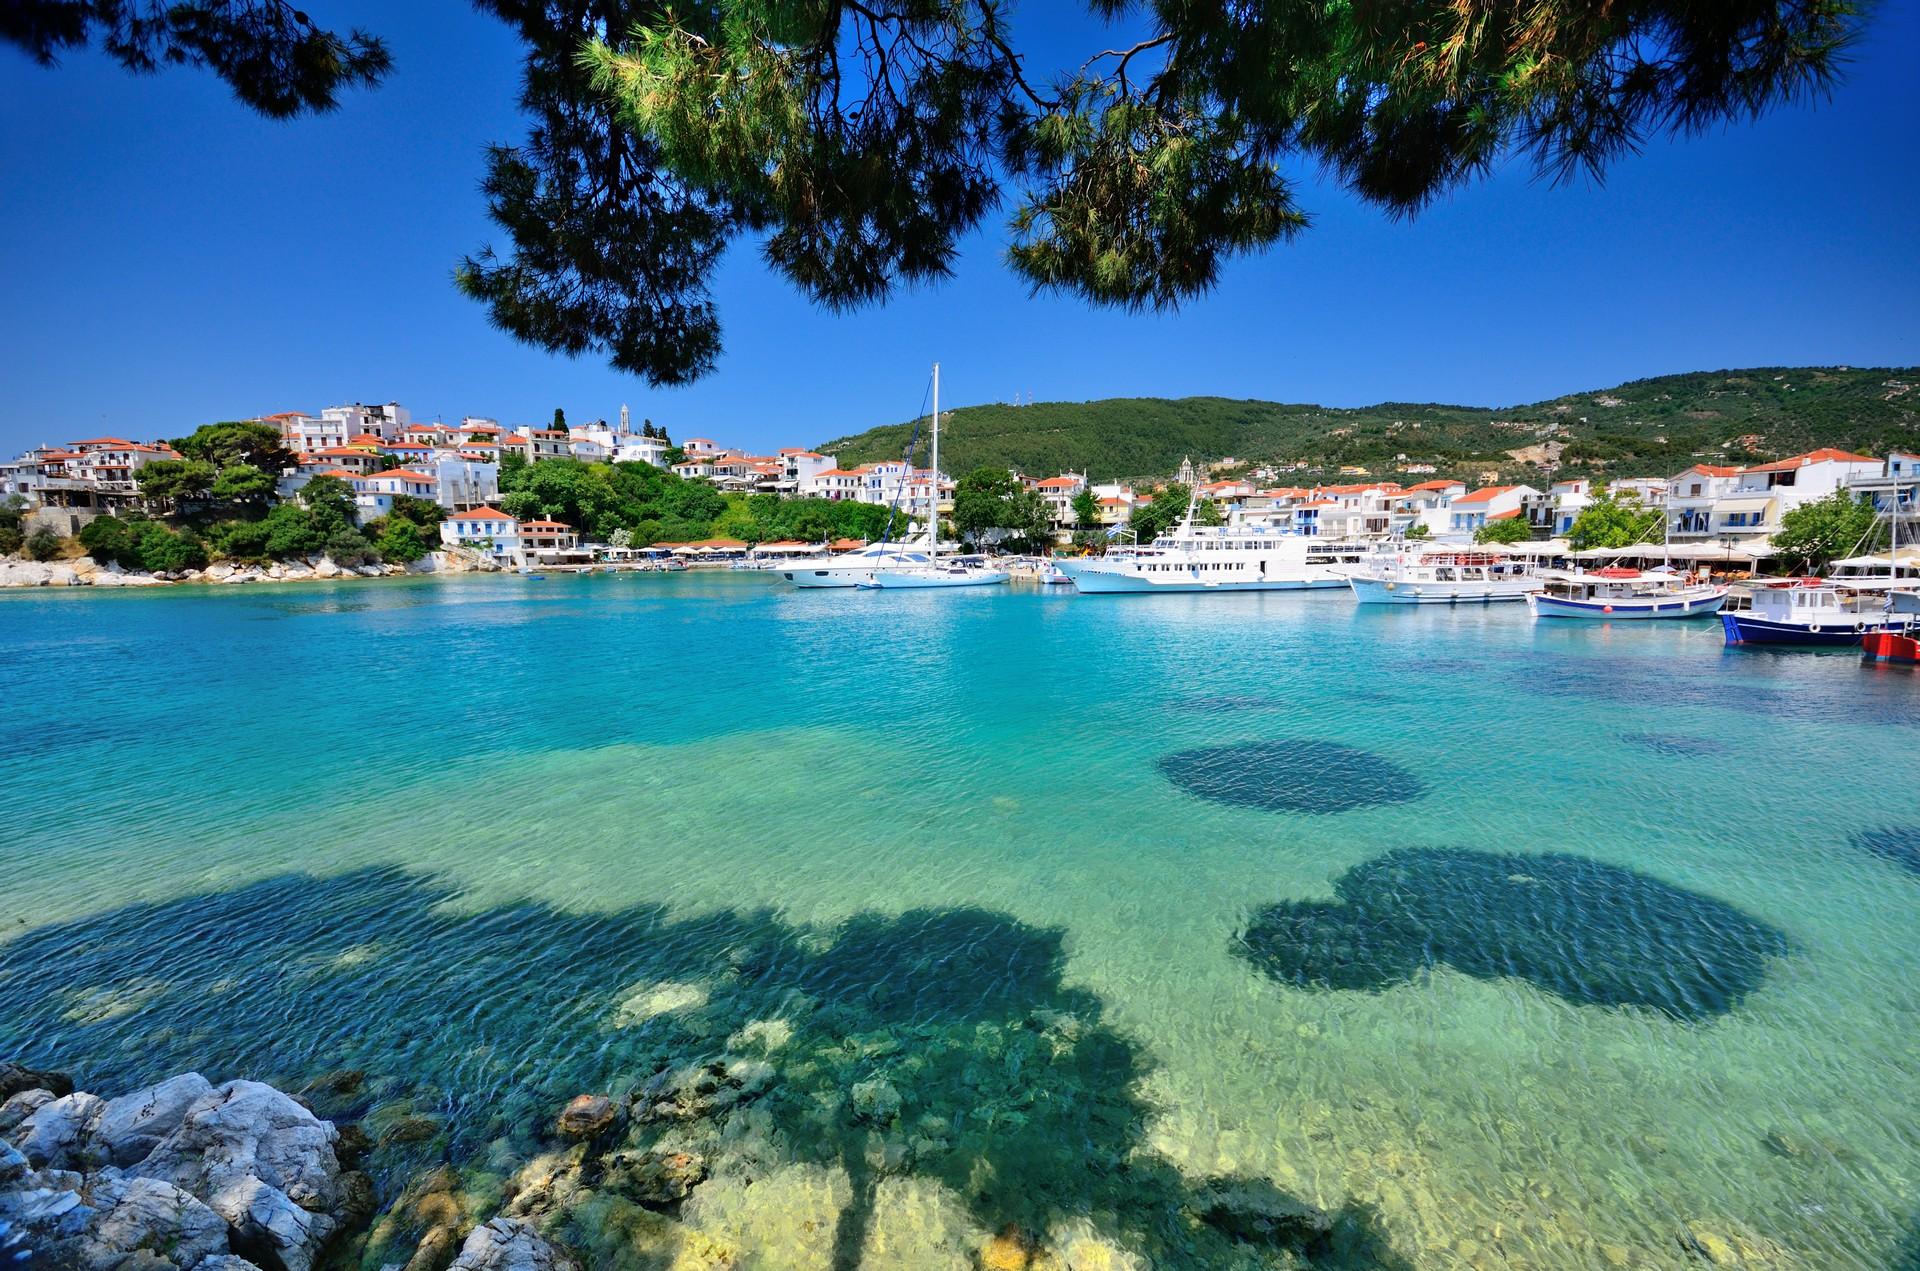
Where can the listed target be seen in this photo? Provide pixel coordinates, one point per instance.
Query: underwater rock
(1592, 933)
(15, 1078)
(875, 1101)
(656, 1178)
(645, 1001)
(509, 1245)
(768, 1035)
(1899, 844)
(1010, 1249)
(1677, 744)
(350, 1144)
(586, 1116)
(1295, 775)
(1254, 1211)
(695, 1091)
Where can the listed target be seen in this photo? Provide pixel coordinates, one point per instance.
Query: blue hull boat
(1743, 628)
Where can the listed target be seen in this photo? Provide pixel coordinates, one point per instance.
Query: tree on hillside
(1511, 529)
(861, 143)
(1615, 522)
(245, 486)
(1827, 529)
(559, 419)
(237, 441)
(177, 482)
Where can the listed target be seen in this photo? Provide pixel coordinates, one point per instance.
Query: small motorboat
(1617, 592)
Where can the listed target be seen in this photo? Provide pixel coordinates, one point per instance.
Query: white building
(461, 481)
(1059, 493)
(1554, 512)
(1691, 496)
(485, 530)
(1491, 503)
(373, 495)
(1428, 505)
(1895, 492)
(1763, 494)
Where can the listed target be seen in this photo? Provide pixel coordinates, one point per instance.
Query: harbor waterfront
(1033, 918)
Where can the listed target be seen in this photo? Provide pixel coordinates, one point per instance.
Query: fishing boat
(1620, 593)
(1814, 613)
(1441, 578)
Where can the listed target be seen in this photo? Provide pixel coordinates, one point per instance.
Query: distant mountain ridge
(1646, 427)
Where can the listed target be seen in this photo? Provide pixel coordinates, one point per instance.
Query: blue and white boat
(1814, 613)
(1624, 594)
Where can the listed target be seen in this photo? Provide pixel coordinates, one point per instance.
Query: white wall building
(485, 530)
(1491, 503)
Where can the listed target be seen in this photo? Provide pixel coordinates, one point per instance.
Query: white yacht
(850, 569)
(1441, 577)
(1234, 557)
(952, 572)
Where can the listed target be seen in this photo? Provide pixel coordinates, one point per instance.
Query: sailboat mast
(933, 475)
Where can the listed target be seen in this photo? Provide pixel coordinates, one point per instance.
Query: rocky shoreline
(185, 1175)
(86, 572)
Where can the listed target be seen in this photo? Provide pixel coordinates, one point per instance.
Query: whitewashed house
(486, 530)
(373, 495)
(1489, 503)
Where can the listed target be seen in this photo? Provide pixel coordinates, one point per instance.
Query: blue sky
(172, 258)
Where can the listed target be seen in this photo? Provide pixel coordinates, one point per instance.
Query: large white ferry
(1193, 557)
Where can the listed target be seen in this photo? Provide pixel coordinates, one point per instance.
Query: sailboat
(956, 572)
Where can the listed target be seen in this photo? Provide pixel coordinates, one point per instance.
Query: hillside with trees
(1646, 427)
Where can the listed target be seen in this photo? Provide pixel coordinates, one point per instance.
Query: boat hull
(884, 580)
(1889, 646)
(1744, 629)
(1628, 608)
(1090, 579)
(826, 577)
(1378, 591)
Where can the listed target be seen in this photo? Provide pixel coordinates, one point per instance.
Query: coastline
(86, 572)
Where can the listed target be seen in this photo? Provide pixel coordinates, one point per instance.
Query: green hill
(1647, 427)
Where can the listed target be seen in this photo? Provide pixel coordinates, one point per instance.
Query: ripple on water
(1676, 743)
(982, 1071)
(1294, 775)
(1592, 933)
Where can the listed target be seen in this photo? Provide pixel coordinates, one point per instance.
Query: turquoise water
(1511, 944)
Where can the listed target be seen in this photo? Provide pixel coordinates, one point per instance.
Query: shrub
(43, 545)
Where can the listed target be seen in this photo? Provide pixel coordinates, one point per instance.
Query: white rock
(58, 1134)
(369, 571)
(325, 568)
(267, 1223)
(507, 1244)
(131, 1126)
(276, 570)
(21, 1106)
(248, 1129)
(298, 571)
(147, 1214)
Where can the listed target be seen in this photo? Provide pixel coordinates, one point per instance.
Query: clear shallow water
(1514, 944)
